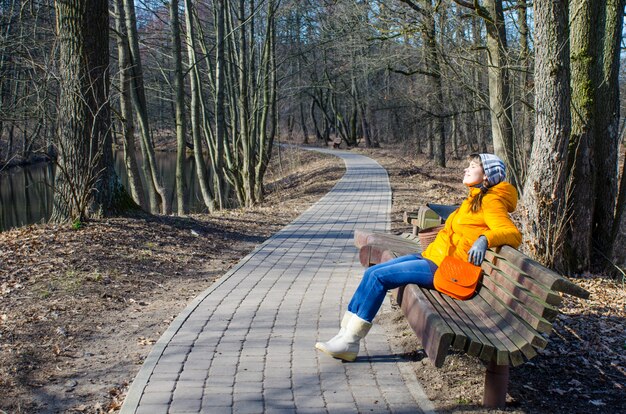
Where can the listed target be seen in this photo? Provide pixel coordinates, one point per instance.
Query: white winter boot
(346, 346)
(344, 323)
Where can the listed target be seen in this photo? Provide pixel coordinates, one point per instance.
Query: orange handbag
(456, 278)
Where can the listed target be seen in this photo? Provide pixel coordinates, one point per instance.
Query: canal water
(26, 193)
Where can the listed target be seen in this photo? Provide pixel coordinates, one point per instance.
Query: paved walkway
(246, 345)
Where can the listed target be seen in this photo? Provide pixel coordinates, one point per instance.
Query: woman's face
(474, 174)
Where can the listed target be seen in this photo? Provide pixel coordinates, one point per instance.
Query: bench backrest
(512, 282)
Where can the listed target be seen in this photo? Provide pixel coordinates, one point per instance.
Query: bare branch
(415, 7)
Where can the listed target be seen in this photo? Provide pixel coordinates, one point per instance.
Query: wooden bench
(503, 324)
(336, 142)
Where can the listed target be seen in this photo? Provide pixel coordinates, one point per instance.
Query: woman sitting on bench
(481, 221)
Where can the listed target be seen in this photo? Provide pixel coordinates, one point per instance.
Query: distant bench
(508, 318)
(336, 142)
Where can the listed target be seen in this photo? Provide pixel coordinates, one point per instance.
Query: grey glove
(476, 254)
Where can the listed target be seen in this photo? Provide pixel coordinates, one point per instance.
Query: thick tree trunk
(580, 200)
(594, 144)
(543, 214)
(619, 231)
(607, 118)
(86, 183)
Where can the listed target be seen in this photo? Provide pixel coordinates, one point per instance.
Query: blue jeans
(377, 280)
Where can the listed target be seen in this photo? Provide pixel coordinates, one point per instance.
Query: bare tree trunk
(86, 183)
(499, 89)
(139, 101)
(544, 215)
(179, 105)
(201, 170)
(607, 118)
(367, 134)
(220, 100)
(318, 133)
(244, 105)
(478, 116)
(580, 202)
(526, 91)
(268, 109)
(305, 131)
(438, 146)
(126, 110)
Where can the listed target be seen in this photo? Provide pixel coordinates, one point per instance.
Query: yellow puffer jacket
(492, 221)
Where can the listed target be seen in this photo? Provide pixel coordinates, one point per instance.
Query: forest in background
(535, 82)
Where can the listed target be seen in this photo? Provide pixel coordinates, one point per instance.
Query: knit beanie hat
(494, 168)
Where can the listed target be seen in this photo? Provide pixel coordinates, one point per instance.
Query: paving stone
(248, 403)
(161, 386)
(272, 383)
(192, 375)
(249, 376)
(216, 410)
(337, 397)
(186, 392)
(153, 409)
(217, 400)
(156, 398)
(341, 408)
(248, 387)
(184, 406)
(167, 368)
(310, 410)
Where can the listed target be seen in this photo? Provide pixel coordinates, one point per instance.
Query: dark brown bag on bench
(456, 278)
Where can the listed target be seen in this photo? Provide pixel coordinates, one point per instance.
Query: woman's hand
(476, 254)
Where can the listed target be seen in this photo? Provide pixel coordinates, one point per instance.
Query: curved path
(246, 344)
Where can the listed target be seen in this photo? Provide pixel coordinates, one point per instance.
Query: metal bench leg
(496, 384)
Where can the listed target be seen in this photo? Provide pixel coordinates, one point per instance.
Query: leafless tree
(86, 183)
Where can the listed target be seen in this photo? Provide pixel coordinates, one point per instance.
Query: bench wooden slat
(433, 331)
(531, 301)
(408, 215)
(374, 254)
(517, 275)
(507, 351)
(541, 273)
(412, 237)
(460, 340)
(523, 328)
(501, 295)
(363, 238)
(503, 347)
(469, 324)
(474, 345)
(508, 328)
(369, 255)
